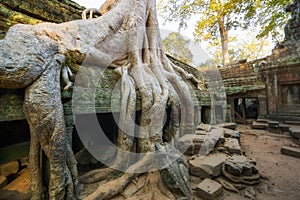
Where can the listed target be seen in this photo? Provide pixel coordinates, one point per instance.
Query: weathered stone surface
(3, 181)
(240, 166)
(231, 126)
(292, 28)
(200, 132)
(250, 193)
(295, 131)
(204, 127)
(290, 151)
(261, 120)
(9, 168)
(209, 189)
(228, 133)
(207, 167)
(211, 139)
(36, 11)
(259, 125)
(190, 143)
(232, 145)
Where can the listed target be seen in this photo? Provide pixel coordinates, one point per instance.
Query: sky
(199, 54)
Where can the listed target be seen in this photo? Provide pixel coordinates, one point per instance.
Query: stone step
(273, 124)
(260, 120)
(209, 190)
(295, 131)
(290, 151)
(259, 125)
(284, 128)
(292, 122)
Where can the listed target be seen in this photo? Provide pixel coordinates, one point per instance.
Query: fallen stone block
(232, 145)
(3, 181)
(200, 132)
(204, 127)
(209, 190)
(207, 167)
(231, 126)
(228, 133)
(290, 151)
(240, 166)
(9, 168)
(259, 125)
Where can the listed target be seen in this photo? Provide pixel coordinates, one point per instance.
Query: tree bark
(224, 41)
(127, 37)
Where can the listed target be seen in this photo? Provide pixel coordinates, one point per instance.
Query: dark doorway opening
(245, 109)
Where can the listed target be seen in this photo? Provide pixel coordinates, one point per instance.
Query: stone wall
(35, 11)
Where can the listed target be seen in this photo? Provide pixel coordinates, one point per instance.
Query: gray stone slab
(231, 126)
(259, 125)
(209, 190)
(295, 131)
(207, 167)
(292, 122)
(260, 120)
(232, 145)
(228, 133)
(204, 127)
(290, 151)
(200, 132)
(284, 128)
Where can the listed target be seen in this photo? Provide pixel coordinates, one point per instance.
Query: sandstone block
(259, 125)
(232, 145)
(209, 190)
(209, 166)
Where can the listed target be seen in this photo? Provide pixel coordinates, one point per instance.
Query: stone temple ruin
(264, 93)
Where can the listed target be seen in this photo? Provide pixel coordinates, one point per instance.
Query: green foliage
(178, 47)
(216, 18)
(267, 14)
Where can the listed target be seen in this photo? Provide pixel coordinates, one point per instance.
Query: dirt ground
(259, 145)
(284, 170)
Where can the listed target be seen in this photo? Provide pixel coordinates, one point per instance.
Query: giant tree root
(167, 177)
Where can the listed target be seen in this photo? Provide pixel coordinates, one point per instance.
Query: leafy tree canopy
(267, 15)
(176, 45)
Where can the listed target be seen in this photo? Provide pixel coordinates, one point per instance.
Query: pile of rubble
(216, 157)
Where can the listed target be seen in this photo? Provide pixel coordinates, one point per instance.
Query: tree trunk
(127, 37)
(224, 41)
